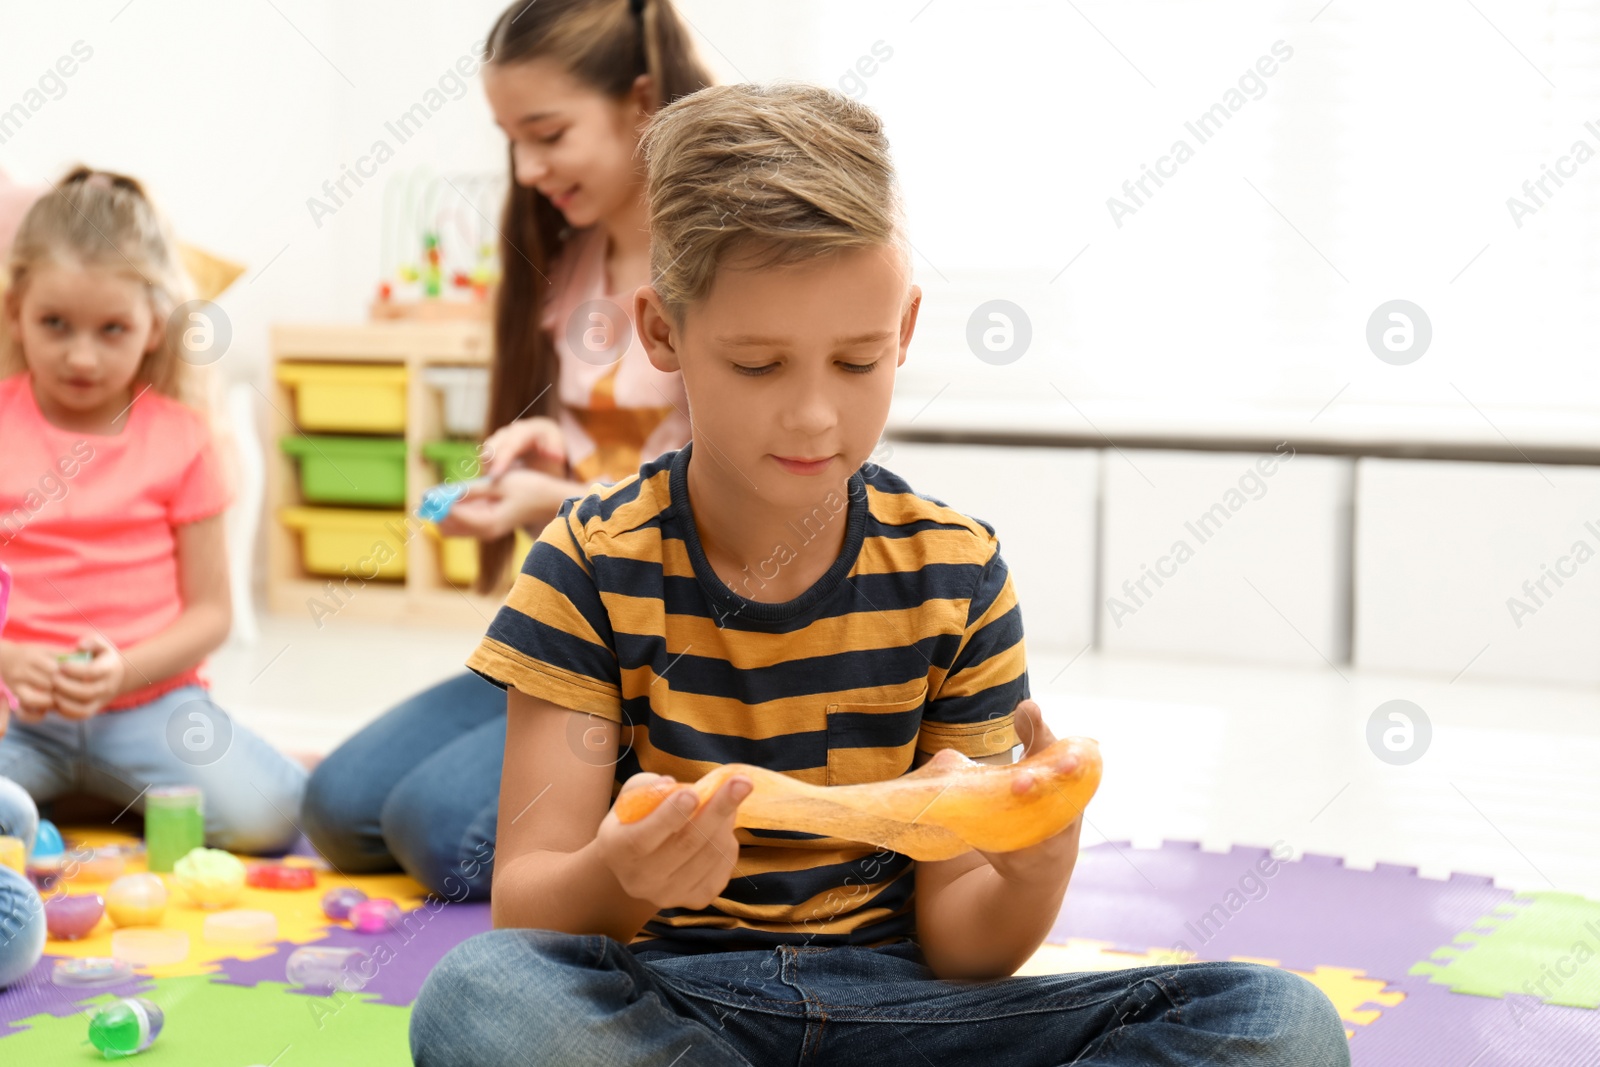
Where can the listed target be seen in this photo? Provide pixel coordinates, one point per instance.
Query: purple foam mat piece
(1434, 1027)
(1310, 911)
(35, 994)
(401, 958)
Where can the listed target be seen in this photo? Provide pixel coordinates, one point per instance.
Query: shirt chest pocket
(870, 741)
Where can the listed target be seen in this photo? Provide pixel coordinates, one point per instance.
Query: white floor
(1509, 787)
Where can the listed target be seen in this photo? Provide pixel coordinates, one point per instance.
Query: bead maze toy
(443, 221)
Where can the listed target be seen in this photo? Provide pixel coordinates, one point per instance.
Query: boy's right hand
(29, 672)
(671, 858)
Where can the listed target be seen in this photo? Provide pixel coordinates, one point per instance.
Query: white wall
(1481, 570)
(1228, 556)
(1042, 503)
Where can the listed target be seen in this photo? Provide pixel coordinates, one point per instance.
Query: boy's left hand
(1051, 860)
(84, 689)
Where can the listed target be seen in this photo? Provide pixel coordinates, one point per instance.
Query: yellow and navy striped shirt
(911, 640)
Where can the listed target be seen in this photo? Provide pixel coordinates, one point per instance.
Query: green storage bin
(350, 470)
(457, 460)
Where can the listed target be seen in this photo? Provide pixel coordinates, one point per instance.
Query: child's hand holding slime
(437, 502)
(519, 497)
(88, 678)
(943, 808)
(524, 481)
(668, 856)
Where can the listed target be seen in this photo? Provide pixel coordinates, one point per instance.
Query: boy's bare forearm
(574, 892)
(980, 926)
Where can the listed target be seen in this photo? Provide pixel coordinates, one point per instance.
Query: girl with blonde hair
(112, 497)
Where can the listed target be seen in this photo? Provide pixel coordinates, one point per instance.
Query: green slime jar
(174, 823)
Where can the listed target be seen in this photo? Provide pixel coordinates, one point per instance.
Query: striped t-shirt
(911, 640)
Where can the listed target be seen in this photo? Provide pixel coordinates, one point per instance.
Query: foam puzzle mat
(1421, 971)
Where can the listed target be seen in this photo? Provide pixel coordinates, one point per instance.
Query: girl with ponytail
(573, 400)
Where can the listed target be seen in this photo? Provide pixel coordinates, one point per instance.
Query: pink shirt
(619, 414)
(87, 522)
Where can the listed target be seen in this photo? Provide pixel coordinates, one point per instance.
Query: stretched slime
(943, 808)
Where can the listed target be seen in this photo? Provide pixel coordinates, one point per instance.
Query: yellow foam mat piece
(1349, 990)
(1085, 954)
(299, 911)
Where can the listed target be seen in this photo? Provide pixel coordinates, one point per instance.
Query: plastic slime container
(150, 948)
(125, 1027)
(279, 876)
(74, 915)
(336, 903)
(376, 916)
(174, 824)
(137, 900)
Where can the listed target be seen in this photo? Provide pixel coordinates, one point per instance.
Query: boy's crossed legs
(539, 996)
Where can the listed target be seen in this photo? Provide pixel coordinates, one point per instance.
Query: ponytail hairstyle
(605, 44)
(95, 218)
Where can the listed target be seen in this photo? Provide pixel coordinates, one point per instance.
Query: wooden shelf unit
(424, 597)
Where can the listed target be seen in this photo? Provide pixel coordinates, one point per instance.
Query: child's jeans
(418, 788)
(19, 817)
(251, 791)
(22, 927)
(530, 997)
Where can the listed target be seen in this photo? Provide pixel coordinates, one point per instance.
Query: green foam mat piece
(209, 1023)
(1544, 945)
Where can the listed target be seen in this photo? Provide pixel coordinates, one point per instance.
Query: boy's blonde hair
(106, 221)
(775, 174)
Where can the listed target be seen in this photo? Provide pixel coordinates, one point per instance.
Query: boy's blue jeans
(527, 997)
(251, 791)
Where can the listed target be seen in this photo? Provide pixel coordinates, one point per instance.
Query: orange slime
(943, 808)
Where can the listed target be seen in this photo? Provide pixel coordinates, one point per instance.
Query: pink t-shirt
(619, 414)
(87, 522)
